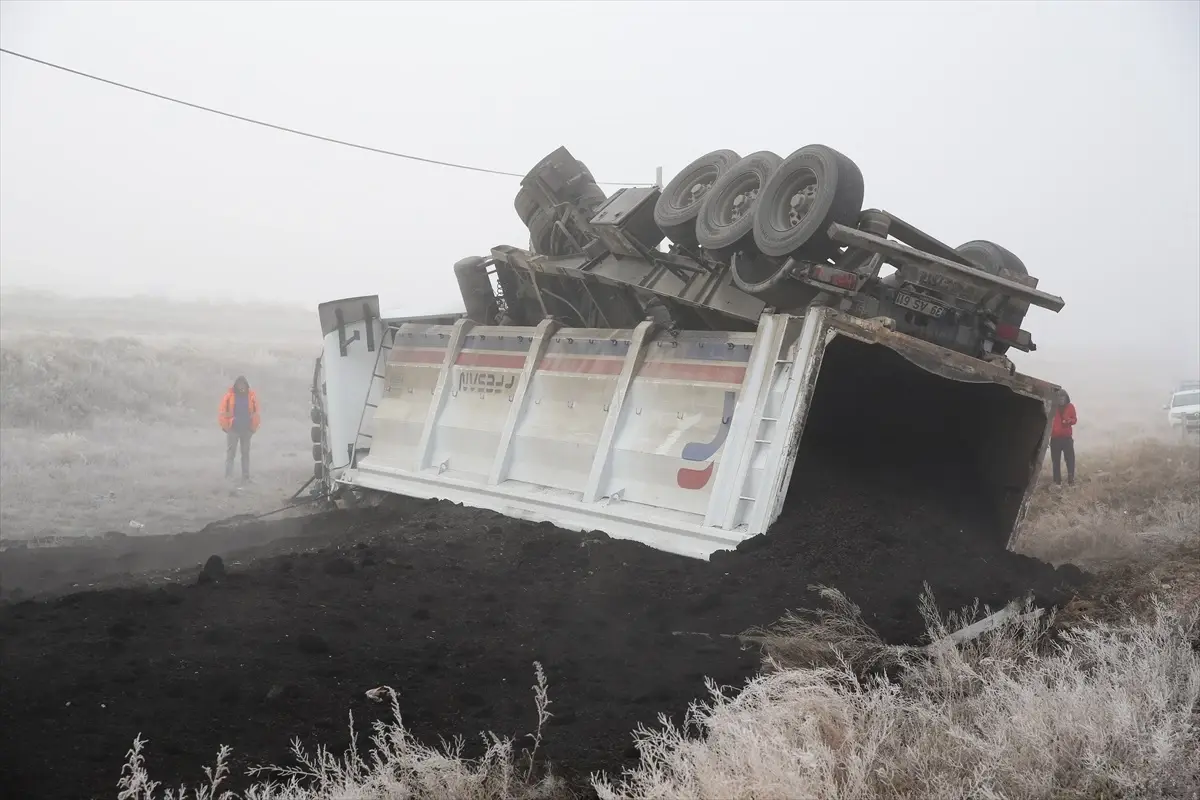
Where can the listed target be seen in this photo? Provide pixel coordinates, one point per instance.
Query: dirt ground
(451, 606)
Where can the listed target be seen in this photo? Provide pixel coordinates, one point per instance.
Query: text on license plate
(919, 304)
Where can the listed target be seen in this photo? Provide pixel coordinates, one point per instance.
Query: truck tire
(591, 197)
(726, 218)
(581, 186)
(475, 289)
(679, 204)
(992, 258)
(813, 188)
(542, 233)
(525, 204)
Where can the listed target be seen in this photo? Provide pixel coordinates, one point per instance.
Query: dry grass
(60, 383)
(166, 323)
(100, 431)
(836, 636)
(1136, 502)
(166, 477)
(1107, 711)
(397, 766)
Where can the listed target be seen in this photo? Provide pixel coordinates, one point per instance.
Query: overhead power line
(283, 128)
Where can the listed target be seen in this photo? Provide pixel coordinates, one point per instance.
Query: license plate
(919, 304)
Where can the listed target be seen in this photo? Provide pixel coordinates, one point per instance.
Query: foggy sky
(1067, 132)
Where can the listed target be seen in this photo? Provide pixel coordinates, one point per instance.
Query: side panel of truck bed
(684, 442)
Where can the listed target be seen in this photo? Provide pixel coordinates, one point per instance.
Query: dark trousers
(232, 440)
(1063, 447)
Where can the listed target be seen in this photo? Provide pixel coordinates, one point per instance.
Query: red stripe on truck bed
(583, 366)
(671, 370)
(413, 355)
(498, 360)
(668, 370)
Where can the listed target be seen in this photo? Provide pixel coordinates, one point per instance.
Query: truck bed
(687, 442)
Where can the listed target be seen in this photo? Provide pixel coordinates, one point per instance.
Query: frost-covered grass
(108, 417)
(1100, 710)
(1133, 502)
(1105, 710)
(397, 766)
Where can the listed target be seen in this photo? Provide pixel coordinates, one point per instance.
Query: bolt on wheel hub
(742, 203)
(698, 190)
(801, 203)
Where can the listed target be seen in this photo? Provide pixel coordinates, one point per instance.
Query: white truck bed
(683, 442)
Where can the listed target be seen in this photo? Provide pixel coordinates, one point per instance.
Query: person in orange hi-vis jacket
(239, 417)
(1062, 440)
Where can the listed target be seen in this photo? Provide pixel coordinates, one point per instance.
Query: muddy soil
(451, 606)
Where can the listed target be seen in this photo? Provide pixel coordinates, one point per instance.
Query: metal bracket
(343, 342)
(541, 340)
(642, 335)
(369, 326)
(983, 281)
(441, 391)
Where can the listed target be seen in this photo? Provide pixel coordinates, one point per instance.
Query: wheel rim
(743, 192)
(800, 193)
(693, 189)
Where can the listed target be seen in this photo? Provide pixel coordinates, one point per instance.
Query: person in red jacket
(1062, 440)
(238, 416)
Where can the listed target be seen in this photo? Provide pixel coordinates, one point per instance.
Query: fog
(1066, 132)
(151, 252)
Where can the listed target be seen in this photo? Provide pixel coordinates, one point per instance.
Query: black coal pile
(451, 606)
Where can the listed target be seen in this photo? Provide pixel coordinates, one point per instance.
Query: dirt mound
(879, 547)
(451, 606)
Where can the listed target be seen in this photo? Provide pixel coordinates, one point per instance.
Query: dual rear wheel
(758, 211)
(777, 207)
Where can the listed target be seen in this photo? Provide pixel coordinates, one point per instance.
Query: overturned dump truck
(652, 364)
